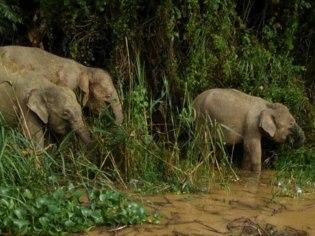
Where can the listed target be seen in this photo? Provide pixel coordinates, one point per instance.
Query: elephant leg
(32, 128)
(252, 154)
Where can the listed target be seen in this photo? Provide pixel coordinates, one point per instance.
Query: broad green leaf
(97, 216)
(43, 221)
(7, 203)
(69, 223)
(77, 194)
(4, 191)
(21, 223)
(59, 194)
(27, 193)
(86, 212)
(42, 201)
(20, 213)
(94, 194)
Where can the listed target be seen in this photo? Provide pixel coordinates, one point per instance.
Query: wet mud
(252, 206)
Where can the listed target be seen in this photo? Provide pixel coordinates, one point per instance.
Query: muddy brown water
(250, 207)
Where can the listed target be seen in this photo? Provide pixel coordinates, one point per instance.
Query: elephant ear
(267, 123)
(36, 103)
(84, 86)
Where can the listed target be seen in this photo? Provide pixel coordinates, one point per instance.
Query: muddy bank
(251, 207)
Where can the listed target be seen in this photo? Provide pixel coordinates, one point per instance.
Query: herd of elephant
(37, 91)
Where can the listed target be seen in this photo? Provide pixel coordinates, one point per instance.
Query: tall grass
(158, 155)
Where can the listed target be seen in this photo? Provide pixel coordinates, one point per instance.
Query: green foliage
(60, 211)
(271, 76)
(138, 99)
(10, 16)
(39, 192)
(297, 165)
(124, 25)
(15, 166)
(207, 33)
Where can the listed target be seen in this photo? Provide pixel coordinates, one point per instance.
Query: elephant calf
(29, 102)
(246, 119)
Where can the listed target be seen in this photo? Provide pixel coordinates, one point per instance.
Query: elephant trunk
(298, 137)
(83, 133)
(117, 109)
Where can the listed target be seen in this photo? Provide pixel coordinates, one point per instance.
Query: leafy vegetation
(161, 55)
(296, 167)
(61, 211)
(47, 194)
(11, 16)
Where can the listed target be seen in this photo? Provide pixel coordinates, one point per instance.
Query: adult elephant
(246, 119)
(96, 84)
(29, 102)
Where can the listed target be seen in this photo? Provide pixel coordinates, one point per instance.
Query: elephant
(96, 84)
(30, 103)
(246, 119)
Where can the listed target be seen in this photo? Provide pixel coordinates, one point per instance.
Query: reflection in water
(249, 208)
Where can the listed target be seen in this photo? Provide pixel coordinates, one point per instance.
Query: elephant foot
(254, 167)
(246, 165)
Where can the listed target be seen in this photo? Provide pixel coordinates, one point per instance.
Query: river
(251, 206)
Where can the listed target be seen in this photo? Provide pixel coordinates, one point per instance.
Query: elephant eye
(66, 114)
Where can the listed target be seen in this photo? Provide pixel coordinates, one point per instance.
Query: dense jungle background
(161, 54)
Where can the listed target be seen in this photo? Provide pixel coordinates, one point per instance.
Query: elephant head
(58, 108)
(280, 125)
(98, 87)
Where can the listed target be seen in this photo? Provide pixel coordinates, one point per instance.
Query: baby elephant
(246, 119)
(29, 102)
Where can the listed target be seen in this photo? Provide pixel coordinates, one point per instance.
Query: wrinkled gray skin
(96, 84)
(246, 119)
(29, 102)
